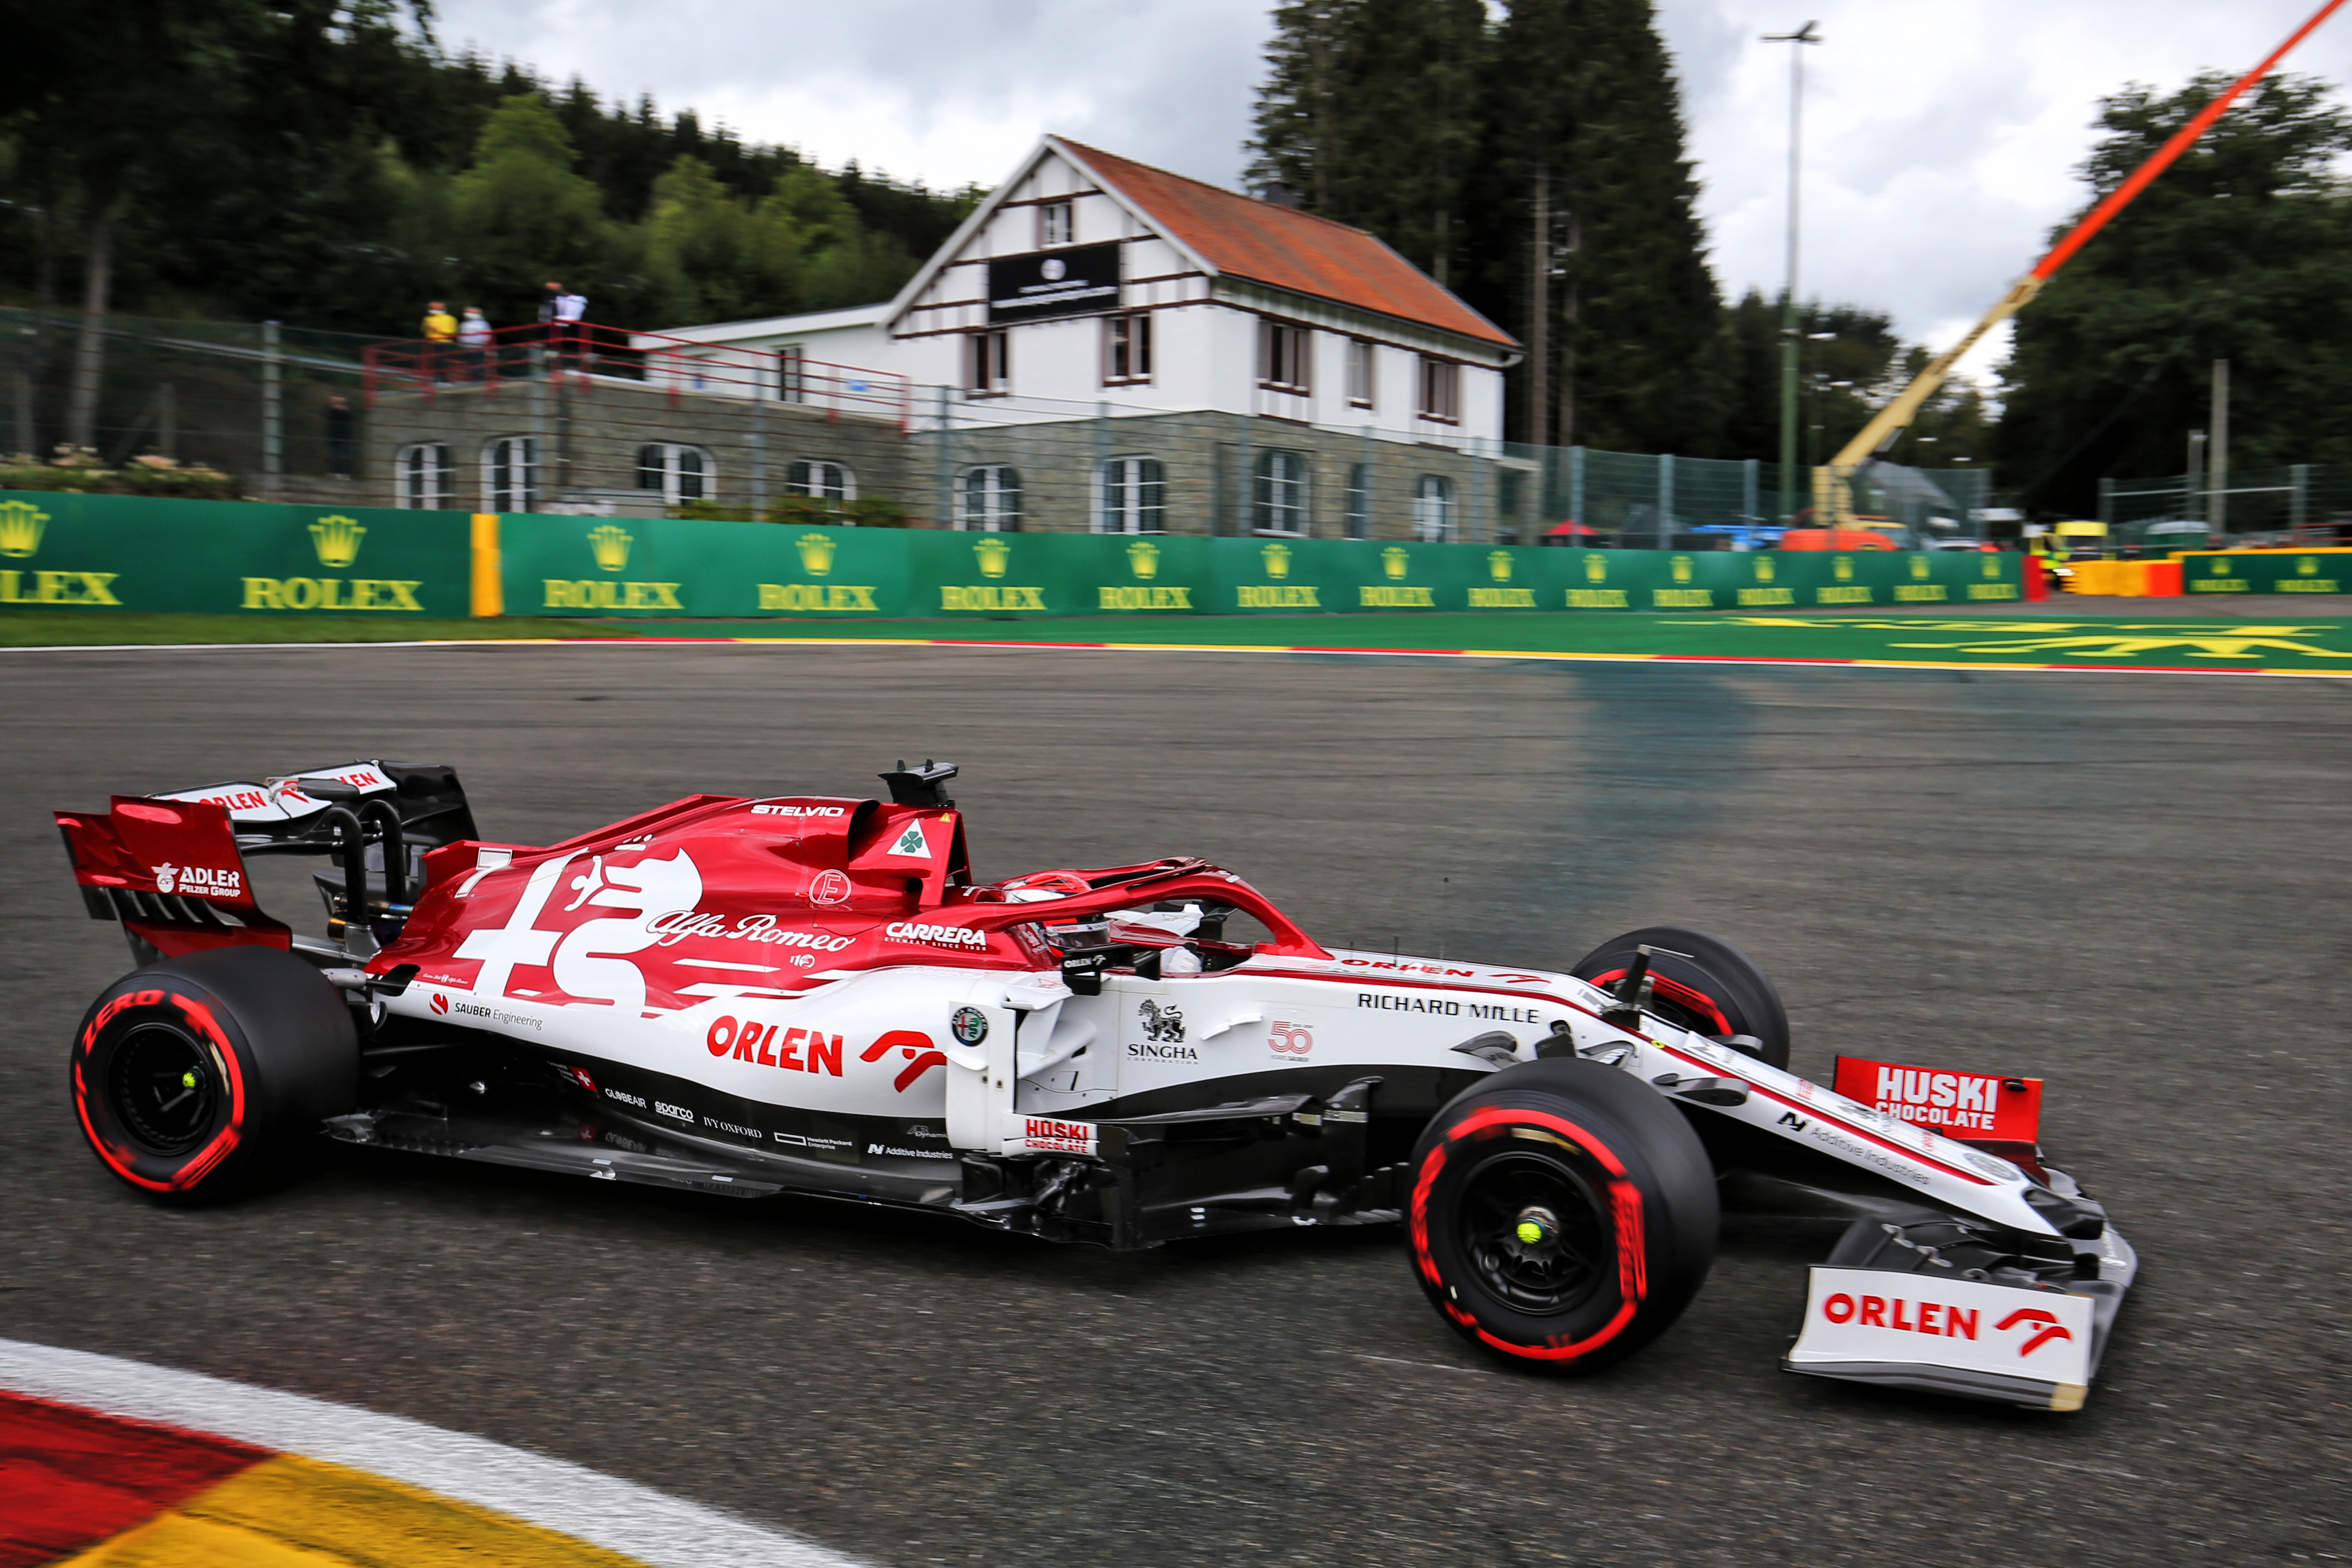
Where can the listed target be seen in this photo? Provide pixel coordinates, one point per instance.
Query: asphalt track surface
(2130, 886)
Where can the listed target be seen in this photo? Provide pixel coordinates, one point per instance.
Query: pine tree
(1370, 113)
(1584, 119)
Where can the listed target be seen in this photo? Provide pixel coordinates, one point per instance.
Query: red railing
(586, 353)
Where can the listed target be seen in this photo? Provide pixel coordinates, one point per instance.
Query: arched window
(1281, 493)
(989, 498)
(1432, 507)
(1359, 519)
(1134, 497)
(681, 473)
(509, 473)
(826, 481)
(420, 476)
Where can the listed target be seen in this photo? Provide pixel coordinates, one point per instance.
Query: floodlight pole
(1804, 34)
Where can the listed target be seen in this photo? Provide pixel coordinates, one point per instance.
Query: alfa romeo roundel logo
(969, 1025)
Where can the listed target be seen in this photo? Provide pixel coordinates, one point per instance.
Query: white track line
(620, 1516)
(1770, 661)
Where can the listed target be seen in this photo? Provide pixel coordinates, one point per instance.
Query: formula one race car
(813, 994)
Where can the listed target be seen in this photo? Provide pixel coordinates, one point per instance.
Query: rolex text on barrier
(569, 565)
(138, 553)
(2222, 572)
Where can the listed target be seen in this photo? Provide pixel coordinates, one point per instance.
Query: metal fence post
(1665, 501)
(1480, 524)
(1576, 486)
(945, 464)
(1245, 478)
(535, 453)
(1098, 492)
(1750, 476)
(2299, 495)
(273, 411)
(2107, 499)
(758, 438)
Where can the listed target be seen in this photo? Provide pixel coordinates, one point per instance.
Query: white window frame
(1356, 521)
(1441, 390)
(1058, 224)
(981, 504)
(499, 452)
(421, 476)
(988, 364)
(1131, 496)
(821, 477)
(1363, 373)
(1433, 508)
(1279, 501)
(677, 465)
(1127, 334)
(1285, 357)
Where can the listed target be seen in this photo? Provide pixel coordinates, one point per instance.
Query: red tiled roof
(1244, 237)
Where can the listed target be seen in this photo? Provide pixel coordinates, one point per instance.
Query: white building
(1086, 278)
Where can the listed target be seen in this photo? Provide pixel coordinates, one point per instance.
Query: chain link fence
(2251, 505)
(597, 421)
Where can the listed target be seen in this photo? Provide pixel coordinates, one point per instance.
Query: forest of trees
(1536, 165)
(325, 162)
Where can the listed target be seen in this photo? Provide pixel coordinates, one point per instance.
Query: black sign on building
(1074, 282)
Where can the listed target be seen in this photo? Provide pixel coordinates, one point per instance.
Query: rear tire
(195, 1078)
(1716, 989)
(1561, 1213)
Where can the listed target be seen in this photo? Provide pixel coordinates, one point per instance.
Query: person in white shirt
(474, 338)
(569, 309)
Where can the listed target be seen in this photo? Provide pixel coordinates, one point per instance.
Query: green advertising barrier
(2266, 570)
(633, 567)
(138, 553)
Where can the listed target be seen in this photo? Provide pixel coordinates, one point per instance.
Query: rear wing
(172, 867)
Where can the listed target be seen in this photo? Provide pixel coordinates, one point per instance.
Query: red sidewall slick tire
(1612, 1177)
(1716, 989)
(194, 1077)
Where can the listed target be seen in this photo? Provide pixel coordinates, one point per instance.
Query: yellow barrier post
(489, 588)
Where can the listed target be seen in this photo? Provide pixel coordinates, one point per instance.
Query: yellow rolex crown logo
(1681, 567)
(1764, 568)
(1596, 568)
(2221, 567)
(610, 544)
(1919, 567)
(1394, 560)
(1498, 565)
(21, 523)
(816, 553)
(1992, 566)
(2306, 565)
(337, 540)
(994, 556)
(1842, 568)
(1277, 559)
(1143, 557)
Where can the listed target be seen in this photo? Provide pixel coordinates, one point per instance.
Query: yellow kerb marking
(292, 1512)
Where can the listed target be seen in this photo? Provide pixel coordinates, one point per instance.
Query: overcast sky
(1940, 135)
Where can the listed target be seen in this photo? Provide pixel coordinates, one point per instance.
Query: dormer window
(1055, 225)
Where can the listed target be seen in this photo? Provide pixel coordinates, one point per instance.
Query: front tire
(196, 1076)
(1701, 982)
(1561, 1214)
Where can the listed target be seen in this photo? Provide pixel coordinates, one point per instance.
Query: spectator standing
(571, 310)
(474, 336)
(340, 446)
(440, 331)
